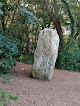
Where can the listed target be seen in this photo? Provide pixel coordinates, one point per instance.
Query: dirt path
(62, 90)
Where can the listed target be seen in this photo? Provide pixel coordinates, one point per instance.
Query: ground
(62, 90)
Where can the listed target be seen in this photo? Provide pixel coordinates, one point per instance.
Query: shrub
(69, 58)
(27, 59)
(8, 52)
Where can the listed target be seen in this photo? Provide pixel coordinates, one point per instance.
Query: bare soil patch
(62, 90)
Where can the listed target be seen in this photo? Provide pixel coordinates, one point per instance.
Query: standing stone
(45, 54)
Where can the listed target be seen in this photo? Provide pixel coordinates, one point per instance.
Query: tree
(55, 19)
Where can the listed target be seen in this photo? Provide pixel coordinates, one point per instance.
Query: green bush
(27, 59)
(69, 58)
(8, 52)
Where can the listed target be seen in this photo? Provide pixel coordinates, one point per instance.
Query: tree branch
(14, 13)
(13, 17)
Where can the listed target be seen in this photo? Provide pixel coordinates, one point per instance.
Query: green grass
(7, 98)
(5, 78)
(1, 104)
(13, 97)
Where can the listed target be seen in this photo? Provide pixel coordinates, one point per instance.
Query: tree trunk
(59, 29)
(3, 23)
(55, 19)
(78, 32)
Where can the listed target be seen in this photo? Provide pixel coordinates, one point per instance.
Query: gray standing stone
(45, 54)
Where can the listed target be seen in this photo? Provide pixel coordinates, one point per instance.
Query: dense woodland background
(22, 20)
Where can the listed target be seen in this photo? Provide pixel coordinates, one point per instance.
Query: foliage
(11, 29)
(7, 98)
(24, 20)
(69, 58)
(69, 55)
(28, 17)
(25, 30)
(72, 20)
(1, 4)
(8, 52)
(27, 59)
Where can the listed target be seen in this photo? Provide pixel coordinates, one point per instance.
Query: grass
(13, 97)
(1, 104)
(5, 78)
(7, 98)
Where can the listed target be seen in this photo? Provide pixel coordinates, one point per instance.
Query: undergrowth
(69, 57)
(7, 98)
(27, 59)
